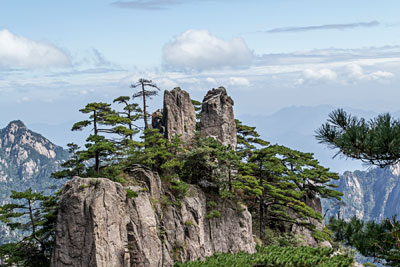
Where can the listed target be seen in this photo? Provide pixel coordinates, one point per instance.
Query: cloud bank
(199, 50)
(326, 27)
(19, 52)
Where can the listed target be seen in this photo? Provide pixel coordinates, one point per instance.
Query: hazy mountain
(295, 127)
(26, 160)
(369, 195)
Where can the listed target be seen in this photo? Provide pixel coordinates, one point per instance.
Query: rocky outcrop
(307, 235)
(178, 116)
(217, 119)
(27, 160)
(368, 195)
(99, 226)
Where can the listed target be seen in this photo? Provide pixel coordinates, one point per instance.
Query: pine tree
(131, 112)
(157, 153)
(197, 109)
(145, 94)
(97, 146)
(375, 142)
(72, 167)
(35, 215)
(378, 240)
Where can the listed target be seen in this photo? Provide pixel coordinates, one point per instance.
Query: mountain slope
(369, 195)
(27, 159)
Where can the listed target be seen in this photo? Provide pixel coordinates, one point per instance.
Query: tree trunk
(261, 205)
(146, 125)
(97, 153)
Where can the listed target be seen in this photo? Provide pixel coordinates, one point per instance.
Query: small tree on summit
(98, 146)
(144, 93)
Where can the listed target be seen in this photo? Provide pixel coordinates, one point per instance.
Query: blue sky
(56, 56)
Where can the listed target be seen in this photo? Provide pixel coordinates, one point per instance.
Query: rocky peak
(15, 126)
(217, 118)
(25, 154)
(179, 116)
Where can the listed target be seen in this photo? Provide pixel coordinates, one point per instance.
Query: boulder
(217, 118)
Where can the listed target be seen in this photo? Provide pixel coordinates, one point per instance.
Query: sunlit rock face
(99, 226)
(369, 195)
(217, 118)
(27, 159)
(179, 116)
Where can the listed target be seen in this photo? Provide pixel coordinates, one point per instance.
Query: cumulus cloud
(239, 81)
(19, 52)
(199, 50)
(357, 72)
(326, 27)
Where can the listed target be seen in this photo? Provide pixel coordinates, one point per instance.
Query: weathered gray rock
(179, 116)
(99, 227)
(306, 234)
(217, 119)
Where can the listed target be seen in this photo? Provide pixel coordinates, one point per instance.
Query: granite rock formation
(99, 226)
(306, 234)
(178, 116)
(369, 195)
(26, 161)
(217, 118)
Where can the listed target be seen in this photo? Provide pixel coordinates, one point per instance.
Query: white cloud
(211, 80)
(357, 72)
(199, 50)
(239, 81)
(321, 74)
(20, 52)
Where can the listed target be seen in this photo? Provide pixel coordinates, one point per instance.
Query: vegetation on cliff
(274, 181)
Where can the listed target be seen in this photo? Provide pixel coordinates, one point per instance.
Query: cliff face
(99, 226)
(217, 119)
(179, 116)
(369, 195)
(26, 160)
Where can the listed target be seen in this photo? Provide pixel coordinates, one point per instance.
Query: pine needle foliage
(276, 256)
(376, 141)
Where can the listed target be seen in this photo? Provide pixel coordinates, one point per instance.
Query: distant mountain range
(295, 127)
(27, 159)
(368, 195)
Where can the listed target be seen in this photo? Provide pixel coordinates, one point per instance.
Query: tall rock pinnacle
(179, 116)
(217, 118)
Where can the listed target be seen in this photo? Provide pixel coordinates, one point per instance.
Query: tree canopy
(375, 141)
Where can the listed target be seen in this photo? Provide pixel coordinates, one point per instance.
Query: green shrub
(179, 188)
(276, 256)
(213, 214)
(131, 194)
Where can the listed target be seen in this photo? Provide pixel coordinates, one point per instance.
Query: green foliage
(35, 214)
(276, 256)
(375, 142)
(213, 214)
(179, 188)
(197, 109)
(72, 167)
(130, 193)
(145, 94)
(157, 153)
(371, 239)
(280, 180)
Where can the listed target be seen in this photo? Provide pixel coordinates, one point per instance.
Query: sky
(57, 56)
